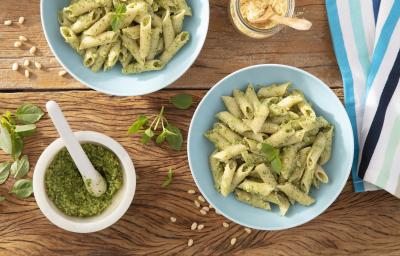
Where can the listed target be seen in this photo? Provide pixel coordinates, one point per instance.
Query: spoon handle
(76, 151)
(296, 23)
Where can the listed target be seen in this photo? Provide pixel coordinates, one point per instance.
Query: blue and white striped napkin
(366, 39)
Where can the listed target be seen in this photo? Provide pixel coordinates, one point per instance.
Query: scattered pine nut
(217, 212)
(205, 208)
(7, 22)
(21, 20)
(210, 206)
(38, 65)
(194, 226)
(173, 219)
(62, 73)
(191, 191)
(197, 204)
(18, 44)
(15, 66)
(27, 73)
(233, 241)
(32, 50)
(203, 212)
(201, 199)
(200, 227)
(22, 38)
(225, 224)
(26, 63)
(248, 231)
(190, 242)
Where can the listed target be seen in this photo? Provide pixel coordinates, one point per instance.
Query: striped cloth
(366, 39)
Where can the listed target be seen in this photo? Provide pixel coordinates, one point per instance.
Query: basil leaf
(144, 138)
(22, 188)
(29, 114)
(20, 167)
(18, 146)
(25, 130)
(269, 151)
(168, 179)
(174, 140)
(182, 101)
(276, 165)
(5, 140)
(138, 124)
(118, 16)
(149, 133)
(4, 172)
(161, 137)
(2, 198)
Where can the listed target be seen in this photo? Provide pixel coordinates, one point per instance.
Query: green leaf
(22, 188)
(276, 165)
(149, 133)
(20, 167)
(168, 179)
(161, 137)
(144, 138)
(18, 146)
(138, 124)
(118, 16)
(25, 130)
(4, 172)
(269, 151)
(174, 140)
(29, 114)
(182, 101)
(2, 198)
(5, 140)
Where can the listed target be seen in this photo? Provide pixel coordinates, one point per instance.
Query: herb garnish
(168, 179)
(182, 101)
(272, 155)
(22, 188)
(118, 16)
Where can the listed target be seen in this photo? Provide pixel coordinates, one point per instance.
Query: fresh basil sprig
(118, 16)
(157, 128)
(4, 172)
(182, 101)
(272, 155)
(168, 179)
(22, 188)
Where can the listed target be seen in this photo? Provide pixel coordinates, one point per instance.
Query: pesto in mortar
(65, 186)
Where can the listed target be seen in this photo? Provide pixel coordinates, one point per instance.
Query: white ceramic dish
(121, 200)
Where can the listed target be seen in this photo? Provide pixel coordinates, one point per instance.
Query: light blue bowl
(324, 102)
(113, 82)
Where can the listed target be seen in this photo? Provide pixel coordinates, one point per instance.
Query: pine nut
(217, 212)
(32, 50)
(7, 22)
(233, 241)
(173, 219)
(190, 242)
(248, 231)
(22, 38)
(203, 212)
(205, 208)
(210, 206)
(27, 73)
(18, 44)
(26, 63)
(200, 227)
(201, 199)
(225, 224)
(197, 204)
(21, 20)
(194, 226)
(191, 191)
(15, 66)
(38, 65)
(62, 73)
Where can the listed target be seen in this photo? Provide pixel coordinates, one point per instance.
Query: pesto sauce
(65, 186)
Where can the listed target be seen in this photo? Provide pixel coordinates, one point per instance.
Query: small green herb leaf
(5, 140)
(168, 179)
(269, 151)
(144, 138)
(138, 124)
(18, 146)
(175, 139)
(276, 165)
(25, 130)
(29, 114)
(4, 172)
(22, 188)
(161, 137)
(2, 198)
(20, 167)
(149, 132)
(118, 16)
(182, 101)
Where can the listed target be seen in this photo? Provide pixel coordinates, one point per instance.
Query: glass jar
(247, 29)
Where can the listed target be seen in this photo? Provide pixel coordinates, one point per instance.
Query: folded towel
(366, 39)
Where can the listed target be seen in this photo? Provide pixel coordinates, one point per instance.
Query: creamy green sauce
(65, 186)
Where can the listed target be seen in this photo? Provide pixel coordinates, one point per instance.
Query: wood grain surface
(356, 224)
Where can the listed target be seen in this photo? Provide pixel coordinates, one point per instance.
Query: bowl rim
(321, 209)
(145, 90)
(67, 222)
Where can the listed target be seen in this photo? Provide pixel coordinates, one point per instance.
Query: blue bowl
(114, 82)
(324, 102)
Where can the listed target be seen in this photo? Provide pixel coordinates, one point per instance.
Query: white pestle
(94, 182)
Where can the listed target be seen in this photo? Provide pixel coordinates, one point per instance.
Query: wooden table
(362, 224)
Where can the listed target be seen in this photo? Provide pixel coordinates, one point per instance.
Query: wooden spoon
(299, 24)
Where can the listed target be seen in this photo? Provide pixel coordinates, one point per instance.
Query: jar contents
(65, 186)
(254, 9)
